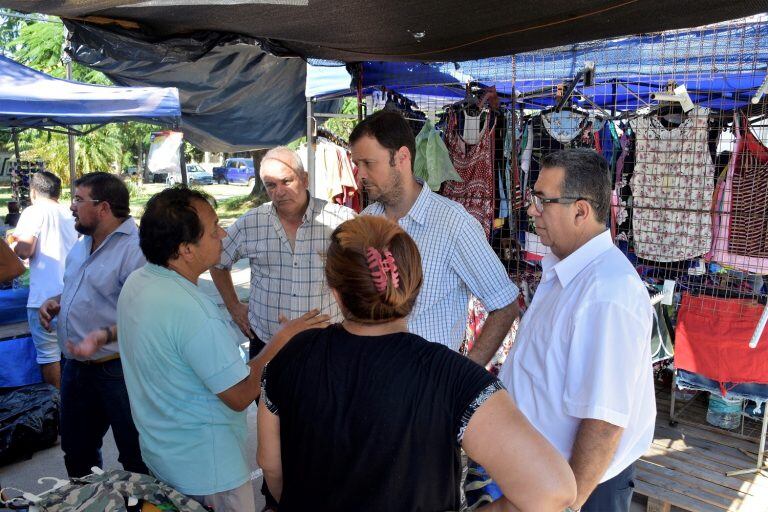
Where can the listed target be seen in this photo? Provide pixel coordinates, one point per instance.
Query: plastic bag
(29, 421)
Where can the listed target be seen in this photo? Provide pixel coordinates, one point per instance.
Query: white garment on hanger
(525, 159)
(333, 169)
(471, 129)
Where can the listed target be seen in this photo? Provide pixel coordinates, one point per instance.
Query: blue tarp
(13, 305)
(721, 67)
(18, 359)
(29, 98)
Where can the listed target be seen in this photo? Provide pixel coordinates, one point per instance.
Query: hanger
(674, 104)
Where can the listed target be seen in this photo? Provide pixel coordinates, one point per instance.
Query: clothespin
(560, 91)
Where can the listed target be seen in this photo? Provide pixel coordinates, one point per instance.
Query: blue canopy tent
(722, 67)
(31, 99)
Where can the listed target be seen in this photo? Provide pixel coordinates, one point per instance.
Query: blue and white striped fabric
(457, 260)
(284, 280)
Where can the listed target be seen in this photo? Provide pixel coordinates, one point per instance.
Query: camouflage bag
(109, 492)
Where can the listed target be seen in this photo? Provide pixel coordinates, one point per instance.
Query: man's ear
(185, 251)
(583, 211)
(404, 153)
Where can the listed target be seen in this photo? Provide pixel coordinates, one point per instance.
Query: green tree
(10, 25)
(38, 44)
(340, 126)
(97, 151)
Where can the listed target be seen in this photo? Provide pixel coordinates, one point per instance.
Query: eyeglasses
(78, 201)
(539, 202)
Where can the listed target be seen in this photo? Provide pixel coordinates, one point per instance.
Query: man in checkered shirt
(285, 241)
(456, 257)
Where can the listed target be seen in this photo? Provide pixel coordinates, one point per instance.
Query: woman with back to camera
(364, 416)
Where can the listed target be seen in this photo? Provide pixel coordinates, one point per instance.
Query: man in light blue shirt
(187, 382)
(456, 257)
(93, 393)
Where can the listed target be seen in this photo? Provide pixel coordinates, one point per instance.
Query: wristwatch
(108, 330)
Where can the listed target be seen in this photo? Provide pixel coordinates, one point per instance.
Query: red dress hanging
(474, 163)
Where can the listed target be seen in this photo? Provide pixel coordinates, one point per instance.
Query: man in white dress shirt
(581, 369)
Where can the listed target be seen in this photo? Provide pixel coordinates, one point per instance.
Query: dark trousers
(614, 495)
(93, 398)
(254, 347)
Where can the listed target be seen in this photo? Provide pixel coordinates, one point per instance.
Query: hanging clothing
(672, 188)
(526, 154)
(350, 191)
(749, 208)
(471, 132)
(661, 336)
(625, 168)
(433, 162)
(474, 163)
(741, 205)
(476, 317)
(511, 195)
(335, 177)
(563, 126)
(712, 339)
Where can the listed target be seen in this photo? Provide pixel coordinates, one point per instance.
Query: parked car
(196, 175)
(235, 170)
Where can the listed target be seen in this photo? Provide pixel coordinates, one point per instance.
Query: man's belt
(102, 360)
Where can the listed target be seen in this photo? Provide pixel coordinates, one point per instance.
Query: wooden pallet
(686, 466)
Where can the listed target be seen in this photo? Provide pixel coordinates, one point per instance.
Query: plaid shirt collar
(420, 208)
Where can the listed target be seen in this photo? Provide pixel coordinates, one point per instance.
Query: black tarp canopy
(445, 30)
(238, 93)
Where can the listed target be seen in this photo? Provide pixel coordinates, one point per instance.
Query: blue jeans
(614, 495)
(93, 398)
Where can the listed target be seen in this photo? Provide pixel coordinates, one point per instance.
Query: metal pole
(71, 144)
(16, 151)
(311, 146)
(183, 164)
(359, 92)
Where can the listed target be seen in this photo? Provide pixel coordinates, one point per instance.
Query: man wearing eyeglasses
(580, 368)
(93, 393)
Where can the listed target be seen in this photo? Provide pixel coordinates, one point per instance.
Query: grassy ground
(5, 196)
(231, 201)
(234, 207)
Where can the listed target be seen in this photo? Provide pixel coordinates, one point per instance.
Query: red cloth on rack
(474, 163)
(712, 339)
(749, 201)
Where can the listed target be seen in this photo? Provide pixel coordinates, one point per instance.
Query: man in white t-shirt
(45, 234)
(580, 369)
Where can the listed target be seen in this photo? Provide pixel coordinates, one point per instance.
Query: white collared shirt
(456, 260)
(583, 350)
